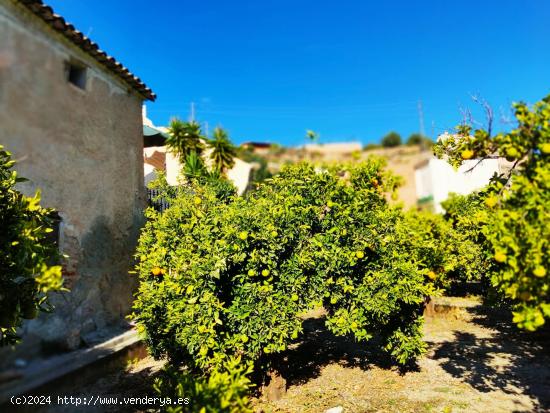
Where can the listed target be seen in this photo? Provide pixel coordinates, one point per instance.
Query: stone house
(71, 116)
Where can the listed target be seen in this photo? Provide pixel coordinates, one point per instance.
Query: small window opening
(76, 74)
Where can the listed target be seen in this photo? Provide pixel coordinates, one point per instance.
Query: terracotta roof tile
(59, 24)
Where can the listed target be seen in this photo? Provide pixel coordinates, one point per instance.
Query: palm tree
(194, 166)
(223, 151)
(311, 135)
(184, 138)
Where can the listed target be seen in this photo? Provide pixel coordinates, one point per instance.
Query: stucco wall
(84, 150)
(438, 179)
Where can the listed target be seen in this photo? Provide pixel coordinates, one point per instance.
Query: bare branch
(489, 114)
(479, 161)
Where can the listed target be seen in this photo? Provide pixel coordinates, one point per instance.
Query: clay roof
(59, 24)
(157, 160)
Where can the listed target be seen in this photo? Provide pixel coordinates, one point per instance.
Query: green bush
(26, 273)
(224, 390)
(452, 247)
(415, 139)
(224, 279)
(518, 222)
(468, 215)
(391, 140)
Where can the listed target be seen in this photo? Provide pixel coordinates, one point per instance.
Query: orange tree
(225, 279)
(26, 275)
(517, 224)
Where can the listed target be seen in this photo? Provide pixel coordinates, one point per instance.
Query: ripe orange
(467, 154)
(156, 271)
(511, 153)
(539, 271)
(432, 275)
(491, 201)
(500, 257)
(545, 148)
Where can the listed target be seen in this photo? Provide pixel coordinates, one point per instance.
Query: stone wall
(84, 150)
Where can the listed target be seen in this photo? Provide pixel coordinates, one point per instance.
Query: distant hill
(401, 160)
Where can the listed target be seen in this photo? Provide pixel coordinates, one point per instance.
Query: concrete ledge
(450, 306)
(44, 372)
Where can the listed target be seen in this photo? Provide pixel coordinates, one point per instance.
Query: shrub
(518, 222)
(467, 216)
(26, 273)
(371, 146)
(391, 140)
(224, 390)
(415, 139)
(225, 279)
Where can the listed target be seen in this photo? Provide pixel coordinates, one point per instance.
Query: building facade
(71, 116)
(436, 179)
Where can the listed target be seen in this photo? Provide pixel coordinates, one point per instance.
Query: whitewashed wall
(438, 179)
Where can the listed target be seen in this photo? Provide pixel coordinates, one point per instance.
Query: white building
(436, 179)
(158, 158)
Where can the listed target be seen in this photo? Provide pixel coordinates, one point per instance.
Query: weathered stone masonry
(83, 148)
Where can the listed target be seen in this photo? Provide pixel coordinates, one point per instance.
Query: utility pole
(192, 115)
(421, 117)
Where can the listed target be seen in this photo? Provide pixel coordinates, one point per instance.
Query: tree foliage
(223, 152)
(419, 139)
(415, 139)
(391, 140)
(224, 390)
(518, 221)
(184, 138)
(220, 279)
(26, 253)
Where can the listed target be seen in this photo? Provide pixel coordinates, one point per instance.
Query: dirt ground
(476, 362)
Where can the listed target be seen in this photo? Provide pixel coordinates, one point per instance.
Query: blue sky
(350, 70)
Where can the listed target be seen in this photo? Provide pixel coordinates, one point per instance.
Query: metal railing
(156, 201)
